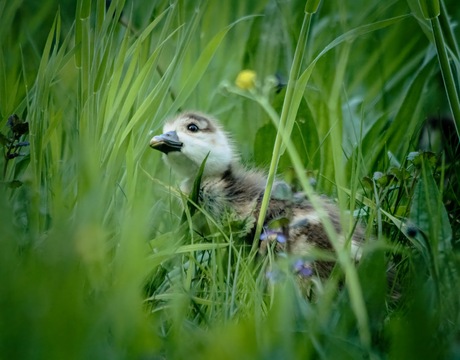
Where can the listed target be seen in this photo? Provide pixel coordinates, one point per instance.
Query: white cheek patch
(196, 148)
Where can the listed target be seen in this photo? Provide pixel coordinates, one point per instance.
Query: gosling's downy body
(227, 187)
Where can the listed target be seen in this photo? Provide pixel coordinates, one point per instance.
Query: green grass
(98, 258)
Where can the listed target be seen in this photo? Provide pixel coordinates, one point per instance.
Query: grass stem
(293, 76)
(446, 72)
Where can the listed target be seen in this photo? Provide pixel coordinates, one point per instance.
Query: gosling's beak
(166, 142)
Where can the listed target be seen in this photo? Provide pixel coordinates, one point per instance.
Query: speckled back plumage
(241, 193)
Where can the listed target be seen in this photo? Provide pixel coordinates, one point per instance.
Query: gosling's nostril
(171, 135)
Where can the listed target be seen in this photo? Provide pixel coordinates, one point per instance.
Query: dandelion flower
(246, 79)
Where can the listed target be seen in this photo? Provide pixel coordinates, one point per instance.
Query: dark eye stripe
(205, 124)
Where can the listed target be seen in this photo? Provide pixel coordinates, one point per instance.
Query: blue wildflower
(303, 268)
(275, 235)
(280, 238)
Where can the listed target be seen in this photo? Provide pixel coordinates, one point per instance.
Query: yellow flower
(246, 79)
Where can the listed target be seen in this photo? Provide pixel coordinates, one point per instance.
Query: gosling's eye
(192, 127)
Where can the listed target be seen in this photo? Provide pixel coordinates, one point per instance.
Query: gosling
(227, 187)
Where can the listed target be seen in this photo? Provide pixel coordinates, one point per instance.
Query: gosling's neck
(227, 176)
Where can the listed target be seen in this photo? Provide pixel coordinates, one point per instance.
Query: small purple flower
(280, 238)
(275, 235)
(303, 268)
(264, 235)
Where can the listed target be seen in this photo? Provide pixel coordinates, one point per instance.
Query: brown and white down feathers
(228, 187)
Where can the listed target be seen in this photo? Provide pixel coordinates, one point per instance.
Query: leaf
(4, 140)
(428, 213)
(265, 137)
(400, 174)
(304, 136)
(367, 182)
(278, 223)
(418, 157)
(408, 118)
(383, 180)
(195, 193)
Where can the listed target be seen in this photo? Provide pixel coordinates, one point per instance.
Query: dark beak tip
(154, 143)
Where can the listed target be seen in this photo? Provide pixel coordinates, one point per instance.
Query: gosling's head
(188, 138)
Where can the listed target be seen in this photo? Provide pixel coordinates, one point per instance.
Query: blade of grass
(431, 12)
(284, 124)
